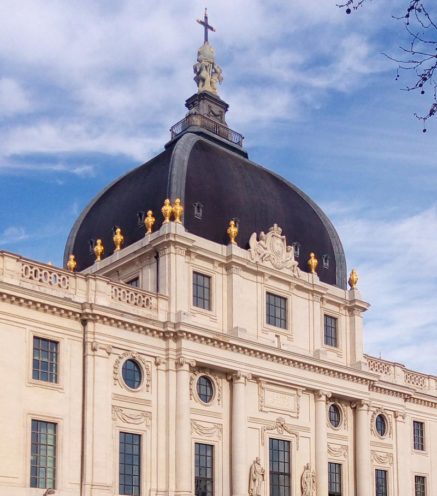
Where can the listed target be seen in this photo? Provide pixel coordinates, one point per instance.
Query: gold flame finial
(167, 210)
(98, 250)
(71, 264)
(232, 232)
(313, 263)
(178, 210)
(149, 221)
(353, 279)
(118, 239)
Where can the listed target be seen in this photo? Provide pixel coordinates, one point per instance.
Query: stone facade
(268, 382)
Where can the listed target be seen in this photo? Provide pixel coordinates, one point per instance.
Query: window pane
(279, 467)
(129, 465)
(276, 310)
(43, 455)
(381, 482)
(44, 364)
(334, 479)
(419, 436)
(419, 485)
(204, 469)
(330, 331)
(201, 291)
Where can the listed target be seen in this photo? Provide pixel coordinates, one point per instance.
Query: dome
(216, 182)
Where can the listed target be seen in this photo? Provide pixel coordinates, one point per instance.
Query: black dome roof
(202, 171)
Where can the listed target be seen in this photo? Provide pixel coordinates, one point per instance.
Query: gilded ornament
(167, 210)
(118, 239)
(149, 221)
(71, 264)
(178, 210)
(98, 250)
(232, 232)
(353, 279)
(313, 263)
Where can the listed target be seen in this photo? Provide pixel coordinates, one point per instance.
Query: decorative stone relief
(281, 427)
(272, 247)
(95, 347)
(146, 369)
(389, 423)
(131, 416)
(256, 478)
(211, 430)
(382, 458)
(277, 399)
(217, 384)
(308, 481)
(337, 451)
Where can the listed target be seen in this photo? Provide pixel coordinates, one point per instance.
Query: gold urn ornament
(71, 264)
(167, 210)
(98, 250)
(232, 232)
(313, 263)
(149, 220)
(178, 210)
(118, 239)
(353, 279)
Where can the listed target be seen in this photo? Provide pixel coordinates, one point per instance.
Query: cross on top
(206, 26)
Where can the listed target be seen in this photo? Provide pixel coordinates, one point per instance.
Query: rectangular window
(201, 291)
(331, 331)
(279, 467)
(45, 360)
(419, 485)
(419, 435)
(130, 464)
(381, 482)
(276, 310)
(43, 455)
(204, 470)
(135, 282)
(334, 479)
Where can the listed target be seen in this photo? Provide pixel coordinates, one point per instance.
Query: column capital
(239, 377)
(400, 416)
(322, 395)
(184, 363)
(361, 405)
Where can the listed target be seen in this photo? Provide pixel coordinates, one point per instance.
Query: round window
(205, 389)
(381, 425)
(131, 373)
(334, 415)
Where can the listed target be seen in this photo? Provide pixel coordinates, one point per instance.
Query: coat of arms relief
(272, 247)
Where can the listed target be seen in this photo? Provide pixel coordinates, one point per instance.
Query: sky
(89, 90)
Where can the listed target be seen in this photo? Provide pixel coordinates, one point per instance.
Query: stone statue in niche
(308, 481)
(256, 478)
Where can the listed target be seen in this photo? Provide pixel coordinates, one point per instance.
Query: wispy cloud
(13, 234)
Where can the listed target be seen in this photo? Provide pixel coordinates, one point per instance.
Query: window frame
(56, 423)
(200, 272)
(335, 493)
(212, 468)
(425, 488)
(131, 280)
(386, 491)
(340, 415)
(142, 372)
(140, 465)
(422, 439)
(337, 331)
(274, 325)
(290, 465)
(382, 417)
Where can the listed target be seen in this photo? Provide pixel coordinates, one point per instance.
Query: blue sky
(88, 90)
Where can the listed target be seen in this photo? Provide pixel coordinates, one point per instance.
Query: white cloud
(13, 98)
(13, 234)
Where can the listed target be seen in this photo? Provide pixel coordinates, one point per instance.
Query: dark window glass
(201, 291)
(205, 389)
(419, 485)
(45, 360)
(279, 466)
(43, 455)
(204, 470)
(419, 435)
(131, 373)
(381, 425)
(276, 310)
(135, 283)
(330, 331)
(130, 464)
(381, 482)
(334, 415)
(334, 479)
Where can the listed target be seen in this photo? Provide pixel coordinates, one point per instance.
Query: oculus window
(381, 425)
(201, 291)
(204, 470)
(130, 464)
(334, 415)
(43, 455)
(45, 360)
(131, 373)
(334, 479)
(419, 435)
(276, 310)
(330, 328)
(279, 467)
(205, 389)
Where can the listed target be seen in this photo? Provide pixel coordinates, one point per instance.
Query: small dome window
(198, 210)
(325, 261)
(131, 373)
(296, 246)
